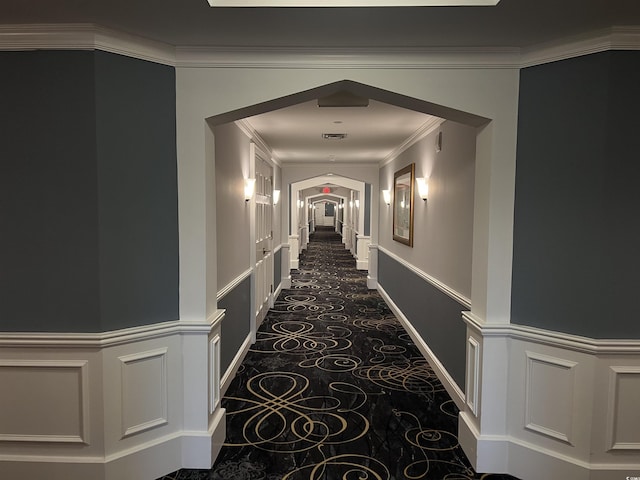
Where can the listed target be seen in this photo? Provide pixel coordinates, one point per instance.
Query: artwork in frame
(403, 181)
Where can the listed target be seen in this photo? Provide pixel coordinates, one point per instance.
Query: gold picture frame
(403, 181)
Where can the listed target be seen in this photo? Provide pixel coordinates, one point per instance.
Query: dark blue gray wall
(367, 209)
(89, 193)
(576, 227)
(277, 269)
(435, 315)
(235, 326)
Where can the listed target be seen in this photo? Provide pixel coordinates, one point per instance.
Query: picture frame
(403, 193)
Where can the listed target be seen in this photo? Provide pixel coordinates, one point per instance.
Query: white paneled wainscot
(570, 410)
(128, 404)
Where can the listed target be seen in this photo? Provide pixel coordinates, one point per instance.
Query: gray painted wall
(576, 228)
(235, 326)
(435, 315)
(232, 212)
(443, 225)
(367, 209)
(137, 186)
(89, 195)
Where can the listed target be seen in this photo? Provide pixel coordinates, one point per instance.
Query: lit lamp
(276, 196)
(249, 185)
(386, 195)
(423, 187)
(357, 203)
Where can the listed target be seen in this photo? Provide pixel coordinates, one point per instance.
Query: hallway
(334, 388)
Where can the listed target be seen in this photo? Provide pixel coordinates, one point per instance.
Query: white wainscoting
(56, 415)
(571, 404)
(123, 405)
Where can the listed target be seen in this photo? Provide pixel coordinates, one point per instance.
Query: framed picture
(403, 181)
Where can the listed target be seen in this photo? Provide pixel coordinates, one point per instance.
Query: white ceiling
(295, 134)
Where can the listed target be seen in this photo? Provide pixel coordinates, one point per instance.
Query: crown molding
(347, 58)
(255, 137)
(88, 36)
(429, 126)
(614, 38)
(84, 36)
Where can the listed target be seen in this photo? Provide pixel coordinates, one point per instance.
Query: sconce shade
(249, 185)
(386, 195)
(423, 187)
(276, 196)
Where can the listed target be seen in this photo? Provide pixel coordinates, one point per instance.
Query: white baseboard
(235, 365)
(362, 264)
(526, 461)
(294, 264)
(372, 283)
(457, 395)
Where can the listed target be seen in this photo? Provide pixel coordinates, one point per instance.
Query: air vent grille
(334, 136)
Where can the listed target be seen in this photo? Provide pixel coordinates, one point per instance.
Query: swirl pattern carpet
(335, 389)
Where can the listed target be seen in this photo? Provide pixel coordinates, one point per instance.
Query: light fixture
(350, 3)
(300, 203)
(249, 185)
(386, 195)
(423, 187)
(276, 196)
(357, 203)
(350, 203)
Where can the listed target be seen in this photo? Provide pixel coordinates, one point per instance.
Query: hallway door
(263, 225)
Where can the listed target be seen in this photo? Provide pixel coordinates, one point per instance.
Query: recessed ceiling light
(337, 122)
(352, 3)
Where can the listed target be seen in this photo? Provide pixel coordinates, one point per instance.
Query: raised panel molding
(144, 391)
(623, 421)
(37, 402)
(214, 373)
(549, 396)
(473, 374)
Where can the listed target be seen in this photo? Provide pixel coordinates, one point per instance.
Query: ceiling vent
(334, 136)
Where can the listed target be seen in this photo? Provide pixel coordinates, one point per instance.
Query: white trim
(347, 58)
(473, 367)
(88, 36)
(458, 297)
(233, 284)
(214, 373)
(260, 142)
(108, 339)
(232, 369)
(612, 412)
(553, 338)
(614, 38)
(83, 386)
(84, 36)
(163, 419)
(529, 423)
(429, 126)
(277, 249)
(454, 391)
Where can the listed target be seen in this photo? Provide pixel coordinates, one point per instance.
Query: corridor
(334, 388)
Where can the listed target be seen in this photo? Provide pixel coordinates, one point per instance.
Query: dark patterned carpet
(334, 389)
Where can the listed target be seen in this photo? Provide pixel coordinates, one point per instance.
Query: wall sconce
(276, 196)
(350, 203)
(357, 203)
(300, 204)
(386, 196)
(340, 205)
(423, 187)
(249, 186)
